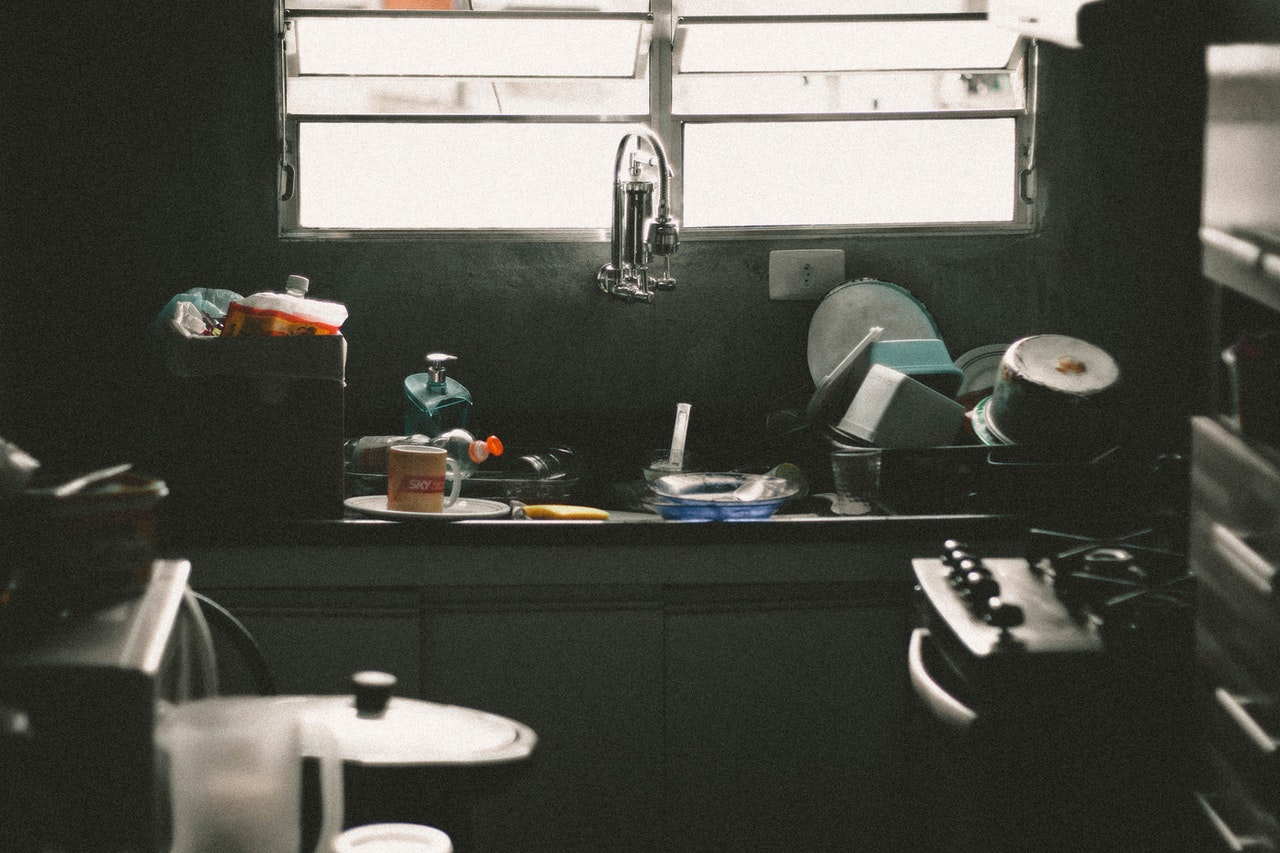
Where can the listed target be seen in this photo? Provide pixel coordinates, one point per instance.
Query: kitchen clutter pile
(1034, 426)
(269, 374)
(883, 378)
(212, 312)
(258, 382)
(72, 542)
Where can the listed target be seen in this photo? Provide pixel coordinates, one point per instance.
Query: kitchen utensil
(416, 476)
(73, 486)
(925, 360)
(235, 774)
(672, 509)
(676, 460)
(718, 496)
(893, 410)
(659, 464)
(982, 427)
(856, 471)
(462, 509)
(978, 368)
(1055, 390)
(393, 838)
(837, 388)
(723, 487)
(375, 729)
(847, 312)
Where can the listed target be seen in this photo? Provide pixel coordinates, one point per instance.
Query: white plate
(848, 312)
(980, 367)
(463, 508)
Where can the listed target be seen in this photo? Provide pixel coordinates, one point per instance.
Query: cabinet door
(785, 721)
(314, 639)
(582, 666)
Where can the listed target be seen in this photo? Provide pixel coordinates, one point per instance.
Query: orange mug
(416, 475)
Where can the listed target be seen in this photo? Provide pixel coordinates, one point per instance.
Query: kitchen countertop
(802, 543)
(521, 553)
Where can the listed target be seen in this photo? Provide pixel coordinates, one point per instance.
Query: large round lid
(372, 727)
(848, 312)
(411, 732)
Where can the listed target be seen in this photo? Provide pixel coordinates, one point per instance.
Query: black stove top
(1068, 610)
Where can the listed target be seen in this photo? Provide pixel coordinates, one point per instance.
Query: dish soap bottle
(468, 450)
(434, 402)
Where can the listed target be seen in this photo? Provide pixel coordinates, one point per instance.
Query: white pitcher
(235, 774)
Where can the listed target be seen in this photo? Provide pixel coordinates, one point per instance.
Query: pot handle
(319, 740)
(942, 704)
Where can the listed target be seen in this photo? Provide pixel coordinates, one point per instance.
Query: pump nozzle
(436, 362)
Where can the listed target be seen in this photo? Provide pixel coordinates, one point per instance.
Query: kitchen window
(780, 117)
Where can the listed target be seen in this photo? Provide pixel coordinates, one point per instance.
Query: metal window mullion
(288, 205)
(661, 70)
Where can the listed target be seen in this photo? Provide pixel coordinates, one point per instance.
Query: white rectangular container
(893, 410)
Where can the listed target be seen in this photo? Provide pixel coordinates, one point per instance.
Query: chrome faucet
(637, 233)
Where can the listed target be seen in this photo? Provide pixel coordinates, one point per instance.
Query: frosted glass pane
(456, 176)
(453, 96)
(838, 173)
(468, 47)
(827, 7)
(843, 46)
(565, 5)
(865, 92)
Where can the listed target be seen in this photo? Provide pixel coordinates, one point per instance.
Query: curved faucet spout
(636, 232)
(664, 171)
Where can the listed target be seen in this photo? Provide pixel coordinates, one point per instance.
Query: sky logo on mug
(422, 485)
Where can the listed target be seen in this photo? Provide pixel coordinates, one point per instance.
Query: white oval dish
(463, 508)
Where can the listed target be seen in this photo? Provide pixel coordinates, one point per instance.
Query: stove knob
(963, 569)
(953, 551)
(1003, 615)
(979, 587)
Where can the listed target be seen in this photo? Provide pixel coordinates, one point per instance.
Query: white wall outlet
(804, 273)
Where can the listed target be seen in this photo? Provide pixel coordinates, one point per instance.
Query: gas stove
(1069, 612)
(1054, 694)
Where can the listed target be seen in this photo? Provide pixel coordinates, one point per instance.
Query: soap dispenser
(433, 401)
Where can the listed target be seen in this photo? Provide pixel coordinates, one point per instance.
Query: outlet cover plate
(804, 274)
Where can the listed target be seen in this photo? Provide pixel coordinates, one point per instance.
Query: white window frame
(669, 128)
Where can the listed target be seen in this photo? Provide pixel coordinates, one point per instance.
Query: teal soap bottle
(435, 402)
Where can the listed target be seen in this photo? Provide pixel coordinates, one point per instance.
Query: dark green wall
(139, 156)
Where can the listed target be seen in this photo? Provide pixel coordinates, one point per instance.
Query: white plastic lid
(393, 838)
(412, 732)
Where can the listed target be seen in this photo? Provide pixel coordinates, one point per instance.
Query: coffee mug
(416, 476)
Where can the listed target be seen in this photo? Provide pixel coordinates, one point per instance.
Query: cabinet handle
(1254, 567)
(1239, 714)
(944, 706)
(1232, 839)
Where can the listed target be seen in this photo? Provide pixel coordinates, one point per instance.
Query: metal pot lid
(847, 313)
(412, 732)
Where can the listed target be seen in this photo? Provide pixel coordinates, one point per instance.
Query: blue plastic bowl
(674, 509)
